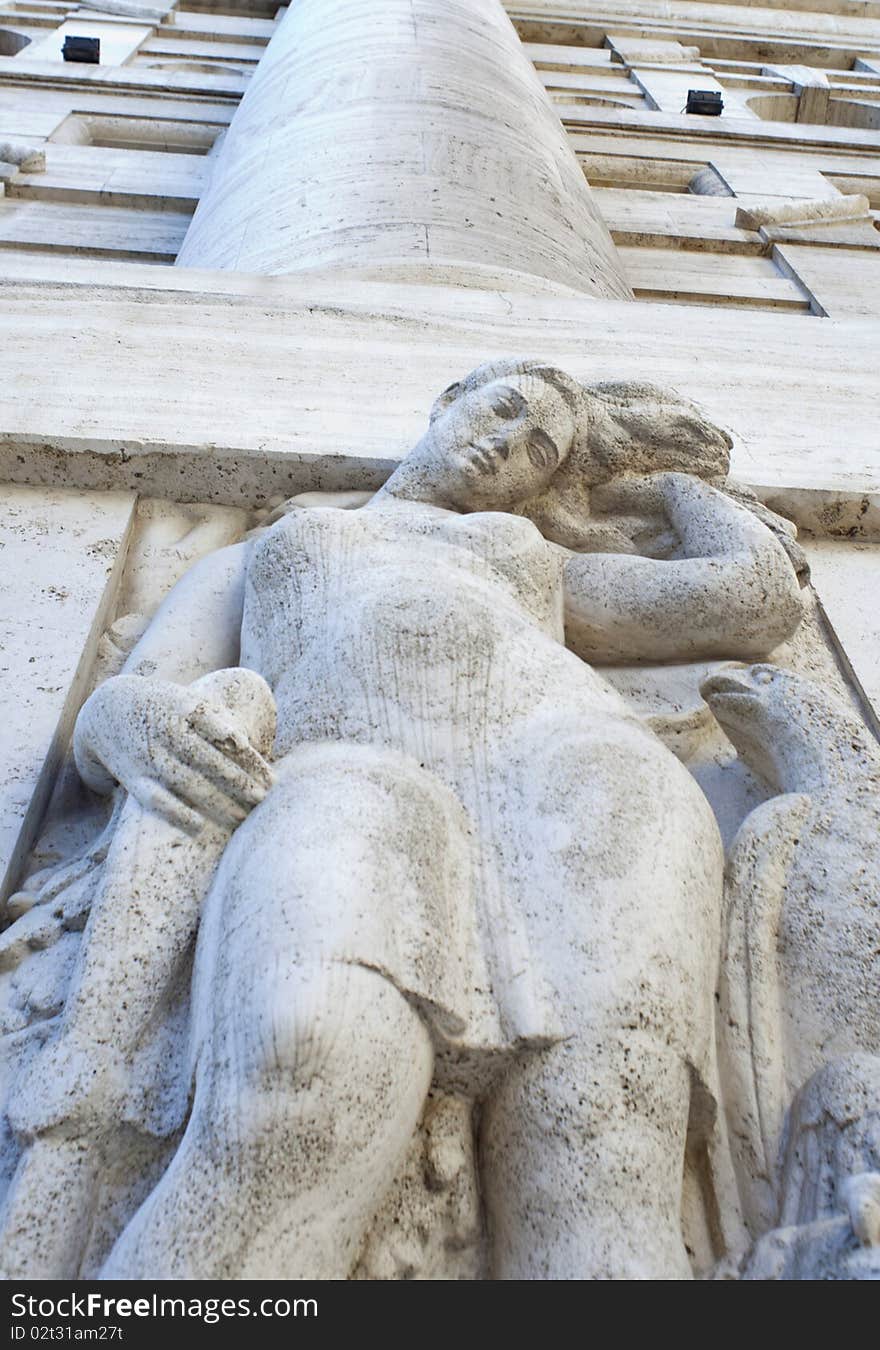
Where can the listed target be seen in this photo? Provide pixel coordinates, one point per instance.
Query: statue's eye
(764, 674)
(542, 450)
(508, 403)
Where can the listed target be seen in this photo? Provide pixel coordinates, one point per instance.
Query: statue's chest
(448, 587)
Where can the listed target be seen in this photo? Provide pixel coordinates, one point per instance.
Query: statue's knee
(331, 1053)
(299, 1025)
(322, 1023)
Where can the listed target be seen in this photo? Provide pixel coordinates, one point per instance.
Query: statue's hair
(570, 389)
(637, 427)
(627, 426)
(622, 426)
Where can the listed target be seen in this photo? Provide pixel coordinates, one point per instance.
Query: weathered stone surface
(829, 1207)
(311, 355)
(845, 576)
(459, 871)
(376, 925)
(418, 131)
(777, 211)
(800, 964)
(61, 560)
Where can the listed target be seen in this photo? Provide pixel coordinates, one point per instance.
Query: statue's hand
(189, 753)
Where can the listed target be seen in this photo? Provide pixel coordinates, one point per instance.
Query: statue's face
(496, 446)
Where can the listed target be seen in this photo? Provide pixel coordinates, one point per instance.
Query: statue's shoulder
(301, 524)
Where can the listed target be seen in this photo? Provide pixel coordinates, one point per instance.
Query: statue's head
(786, 727)
(495, 439)
(523, 435)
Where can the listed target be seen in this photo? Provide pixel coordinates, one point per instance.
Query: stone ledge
(282, 377)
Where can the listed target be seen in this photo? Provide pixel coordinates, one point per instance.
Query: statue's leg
(312, 1065)
(583, 1145)
(583, 1152)
(285, 1161)
(47, 1211)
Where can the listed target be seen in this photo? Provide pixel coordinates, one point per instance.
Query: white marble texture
(846, 575)
(456, 933)
(61, 555)
(467, 861)
(415, 129)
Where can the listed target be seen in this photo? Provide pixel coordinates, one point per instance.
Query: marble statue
(77, 1100)
(364, 752)
(801, 965)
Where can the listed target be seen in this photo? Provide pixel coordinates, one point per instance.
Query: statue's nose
(495, 445)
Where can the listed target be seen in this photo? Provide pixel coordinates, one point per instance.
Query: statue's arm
(197, 628)
(733, 594)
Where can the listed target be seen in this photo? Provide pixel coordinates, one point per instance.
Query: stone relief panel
(380, 925)
(62, 555)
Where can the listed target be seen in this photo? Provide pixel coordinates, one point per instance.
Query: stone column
(379, 132)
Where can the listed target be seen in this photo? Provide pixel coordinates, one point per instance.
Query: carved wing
(751, 1043)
